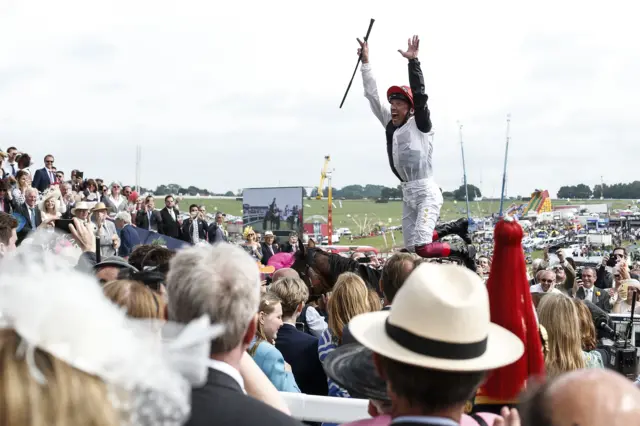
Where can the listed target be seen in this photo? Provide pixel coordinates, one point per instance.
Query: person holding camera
(565, 273)
(625, 290)
(605, 278)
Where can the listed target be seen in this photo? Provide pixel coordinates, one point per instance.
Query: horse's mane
(338, 265)
(306, 256)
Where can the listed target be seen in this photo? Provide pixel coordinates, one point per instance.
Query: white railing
(312, 408)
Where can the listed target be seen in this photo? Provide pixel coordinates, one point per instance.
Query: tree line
(359, 192)
(616, 191)
(349, 192)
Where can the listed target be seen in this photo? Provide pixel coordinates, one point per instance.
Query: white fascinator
(148, 366)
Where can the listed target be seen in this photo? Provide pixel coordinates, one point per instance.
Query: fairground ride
(325, 174)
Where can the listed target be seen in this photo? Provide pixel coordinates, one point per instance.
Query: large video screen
(273, 209)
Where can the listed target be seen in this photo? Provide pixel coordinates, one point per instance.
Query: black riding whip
(357, 64)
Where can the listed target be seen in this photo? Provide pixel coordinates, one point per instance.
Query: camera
(623, 355)
(612, 260)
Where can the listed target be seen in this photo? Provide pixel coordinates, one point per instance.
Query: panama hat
(439, 320)
(98, 207)
(82, 205)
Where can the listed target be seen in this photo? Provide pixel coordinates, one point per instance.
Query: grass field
(355, 214)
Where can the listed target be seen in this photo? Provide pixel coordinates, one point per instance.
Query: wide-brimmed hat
(116, 261)
(98, 207)
(52, 194)
(351, 367)
(268, 234)
(439, 320)
(82, 205)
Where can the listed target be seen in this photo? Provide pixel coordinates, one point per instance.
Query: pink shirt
(386, 420)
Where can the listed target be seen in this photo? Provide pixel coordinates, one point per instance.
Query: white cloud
(228, 95)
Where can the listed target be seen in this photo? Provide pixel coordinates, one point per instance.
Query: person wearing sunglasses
(546, 282)
(46, 176)
(605, 279)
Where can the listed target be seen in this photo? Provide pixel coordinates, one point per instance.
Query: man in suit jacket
(299, 349)
(292, 245)
(269, 247)
(46, 176)
(129, 238)
(216, 231)
(169, 217)
(30, 211)
(588, 291)
(188, 233)
(149, 218)
(199, 283)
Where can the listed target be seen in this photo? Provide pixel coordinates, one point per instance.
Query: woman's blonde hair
(350, 297)
(587, 329)
(69, 397)
(559, 316)
(138, 299)
(268, 303)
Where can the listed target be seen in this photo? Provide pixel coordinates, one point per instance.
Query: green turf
(357, 214)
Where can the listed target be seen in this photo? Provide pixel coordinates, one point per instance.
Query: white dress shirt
(227, 369)
(588, 294)
(10, 170)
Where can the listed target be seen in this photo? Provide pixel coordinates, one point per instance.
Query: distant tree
(448, 195)
(580, 191)
(229, 194)
(460, 194)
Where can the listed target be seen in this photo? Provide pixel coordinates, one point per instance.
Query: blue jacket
(300, 350)
(271, 362)
(129, 239)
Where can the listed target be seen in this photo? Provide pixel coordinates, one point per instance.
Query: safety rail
(312, 408)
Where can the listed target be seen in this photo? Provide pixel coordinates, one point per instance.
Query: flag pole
(464, 173)
(504, 173)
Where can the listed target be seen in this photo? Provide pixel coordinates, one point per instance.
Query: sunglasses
(48, 162)
(546, 281)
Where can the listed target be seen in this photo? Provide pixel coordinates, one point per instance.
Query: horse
(320, 269)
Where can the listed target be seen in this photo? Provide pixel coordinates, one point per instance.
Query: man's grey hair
(124, 216)
(31, 190)
(221, 281)
(590, 268)
(66, 185)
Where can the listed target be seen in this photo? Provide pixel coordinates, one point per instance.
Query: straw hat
(82, 205)
(439, 320)
(99, 207)
(53, 194)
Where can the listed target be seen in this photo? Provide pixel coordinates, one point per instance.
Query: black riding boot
(458, 249)
(458, 227)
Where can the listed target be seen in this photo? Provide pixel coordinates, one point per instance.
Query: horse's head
(306, 263)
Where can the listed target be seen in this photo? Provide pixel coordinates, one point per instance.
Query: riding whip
(366, 37)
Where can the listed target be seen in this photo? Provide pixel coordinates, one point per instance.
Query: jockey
(409, 148)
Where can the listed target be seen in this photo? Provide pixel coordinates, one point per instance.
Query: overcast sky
(225, 95)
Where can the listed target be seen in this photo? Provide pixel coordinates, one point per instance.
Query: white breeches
(421, 203)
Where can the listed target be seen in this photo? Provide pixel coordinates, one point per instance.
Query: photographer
(565, 273)
(626, 289)
(605, 278)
